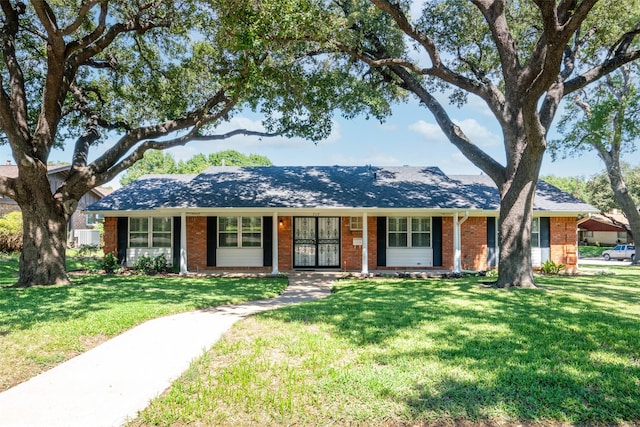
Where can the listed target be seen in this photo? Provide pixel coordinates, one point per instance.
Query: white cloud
(431, 132)
(478, 134)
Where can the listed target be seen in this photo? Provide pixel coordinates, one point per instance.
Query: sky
(410, 136)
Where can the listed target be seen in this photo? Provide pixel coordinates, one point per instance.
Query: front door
(316, 242)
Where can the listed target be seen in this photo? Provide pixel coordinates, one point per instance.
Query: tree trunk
(624, 200)
(514, 225)
(43, 257)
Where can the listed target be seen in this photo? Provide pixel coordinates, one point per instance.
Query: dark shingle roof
(312, 187)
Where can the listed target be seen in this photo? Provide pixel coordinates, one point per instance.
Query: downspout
(457, 253)
(183, 244)
(365, 245)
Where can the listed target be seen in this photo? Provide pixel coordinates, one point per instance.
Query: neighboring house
(57, 174)
(607, 230)
(342, 218)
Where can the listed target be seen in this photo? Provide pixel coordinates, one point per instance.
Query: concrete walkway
(108, 385)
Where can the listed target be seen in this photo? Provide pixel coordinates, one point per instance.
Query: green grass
(591, 251)
(411, 352)
(43, 326)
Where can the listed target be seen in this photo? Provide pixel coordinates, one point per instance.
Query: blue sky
(408, 137)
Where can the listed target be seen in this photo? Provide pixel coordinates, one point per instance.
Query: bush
(550, 267)
(147, 265)
(110, 263)
(11, 232)
(88, 251)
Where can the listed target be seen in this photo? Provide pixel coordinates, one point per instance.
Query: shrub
(550, 267)
(110, 263)
(147, 265)
(11, 232)
(88, 251)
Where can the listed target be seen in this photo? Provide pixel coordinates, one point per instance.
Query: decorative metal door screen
(316, 242)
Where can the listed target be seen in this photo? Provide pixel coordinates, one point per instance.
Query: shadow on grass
(22, 308)
(570, 354)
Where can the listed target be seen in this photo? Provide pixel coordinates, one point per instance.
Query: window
(139, 232)
(404, 232)
(622, 235)
(421, 232)
(161, 234)
(355, 223)
(251, 232)
(535, 233)
(94, 219)
(150, 232)
(244, 232)
(398, 233)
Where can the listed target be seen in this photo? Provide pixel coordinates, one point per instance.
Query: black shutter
(545, 239)
(436, 238)
(267, 241)
(492, 260)
(212, 240)
(177, 229)
(123, 239)
(545, 232)
(382, 241)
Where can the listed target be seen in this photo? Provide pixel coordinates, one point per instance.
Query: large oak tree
(606, 119)
(521, 58)
(121, 77)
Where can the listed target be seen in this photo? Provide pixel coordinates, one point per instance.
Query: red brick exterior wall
(564, 249)
(110, 235)
(447, 242)
(285, 243)
(351, 255)
(196, 243)
(473, 243)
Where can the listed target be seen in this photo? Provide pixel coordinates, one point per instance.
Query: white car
(620, 252)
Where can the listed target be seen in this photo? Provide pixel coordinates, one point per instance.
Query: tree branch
(82, 14)
(7, 187)
(453, 132)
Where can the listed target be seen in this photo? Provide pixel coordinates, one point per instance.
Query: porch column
(365, 244)
(183, 244)
(274, 248)
(456, 245)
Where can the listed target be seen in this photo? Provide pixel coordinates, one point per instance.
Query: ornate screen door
(316, 242)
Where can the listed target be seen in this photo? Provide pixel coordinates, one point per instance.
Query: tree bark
(514, 225)
(623, 198)
(43, 257)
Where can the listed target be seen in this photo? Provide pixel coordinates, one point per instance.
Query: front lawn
(41, 327)
(422, 352)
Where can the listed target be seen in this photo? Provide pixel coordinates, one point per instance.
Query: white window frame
(535, 230)
(240, 232)
(92, 219)
(355, 223)
(150, 231)
(409, 232)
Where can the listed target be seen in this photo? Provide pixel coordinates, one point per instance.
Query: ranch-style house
(358, 219)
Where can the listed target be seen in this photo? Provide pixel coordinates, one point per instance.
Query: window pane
(251, 224)
(138, 240)
(535, 225)
(161, 240)
(251, 240)
(397, 240)
(228, 223)
(397, 224)
(421, 240)
(420, 224)
(139, 224)
(228, 240)
(355, 223)
(535, 240)
(162, 224)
